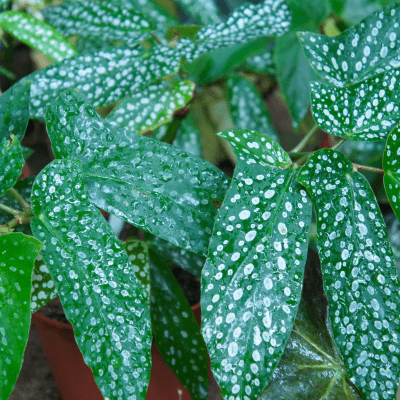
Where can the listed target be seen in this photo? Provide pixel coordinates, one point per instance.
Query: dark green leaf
(151, 107)
(101, 20)
(188, 137)
(306, 12)
(353, 11)
(17, 253)
(393, 227)
(36, 34)
(261, 63)
(248, 109)
(11, 163)
(96, 283)
(205, 11)
(359, 271)
(150, 184)
(252, 280)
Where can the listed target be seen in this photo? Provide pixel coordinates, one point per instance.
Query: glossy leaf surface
(205, 11)
(188, 137)
(176, 331)
(150, 184)
(359, 271)
(248, 109)
(105, 20)
(151, 107)
(252, 280)
(17, 253)
(105, 76)
(96, 283)
(11, 163)
(36, 34)
(14, 110)
(393, 228)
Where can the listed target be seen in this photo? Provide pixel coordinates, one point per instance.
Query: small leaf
(176, 331)
(96, 283)
(252, 280)
(106, 21)
(151, 107)
(248, 109)
(360, 277)
(11, 163)
(150, 184)
(205, 11)
(36, 34)
(14, 110)
(188, 137)
(17, 253)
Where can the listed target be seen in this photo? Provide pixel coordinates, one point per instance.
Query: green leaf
(188, 137)
(205, 11)
(151, 107)
(248, 109)
(11, 163)
(359, 271)
(36, 34)
(358, 53)
(308, 11)
(262, 62)
(14, 110)
(393, 228)
(17, 253)
(105, 76)
(100, 294)
(353, 11)
(176, 331)
(252, 280)
(106, 21)
(150, 184)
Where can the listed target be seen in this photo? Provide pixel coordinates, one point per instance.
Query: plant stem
(338, 144)
(8, 209)
(23, 217)
(24, 204)
(305, 139)
(298, 155)
(359, 167)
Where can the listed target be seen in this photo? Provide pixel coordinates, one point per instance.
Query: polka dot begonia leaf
(36, 34)
(14, 110)
(253, 276)
(393, 228)
(360, 52)
(96, 283)
(105, 76)
(150, 184)
(261, 63)
(176, 331)
(188, 138)
(248, 109)
(151, 107)
(205, 11)
(112, 22)
(360, 276)
(11, 163)
(17, 253)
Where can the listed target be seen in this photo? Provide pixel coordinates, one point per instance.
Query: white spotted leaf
(188, 138)
(262, 62)
(152, 106)
(36, 34)
(98, 20)
(205, 11)
(95, 280)
(360, 276)
(253, 276)
(11, 163)
(17, 253)
(393, 228)
(150, 184)
(248, 108)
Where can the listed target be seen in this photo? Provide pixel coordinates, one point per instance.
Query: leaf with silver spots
(205, 11)
(188, 137)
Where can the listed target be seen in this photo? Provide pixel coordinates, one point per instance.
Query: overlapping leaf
(100, 294)
(151, 184)
(151, 107)
(108, 21)
(205, 11)
(17, 253)
(248, 109)
(359, 271)
(11, 163)
(36, 34)
(104, 76)
(252, 280)
(188, 137)
(261, 63)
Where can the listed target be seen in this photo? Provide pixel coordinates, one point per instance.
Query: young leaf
(100, 294)
(252, 280)
(14, 110)
(11, 163)
(105, 76)
(17, 253)
(359, 271)
(188, 137)
(100, 20)
(150, 184)
(205, 11)
(36, 34)
(248, 109)
(176, 331)
(151, 107)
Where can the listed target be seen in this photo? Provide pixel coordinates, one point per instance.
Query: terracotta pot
(75, 379)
